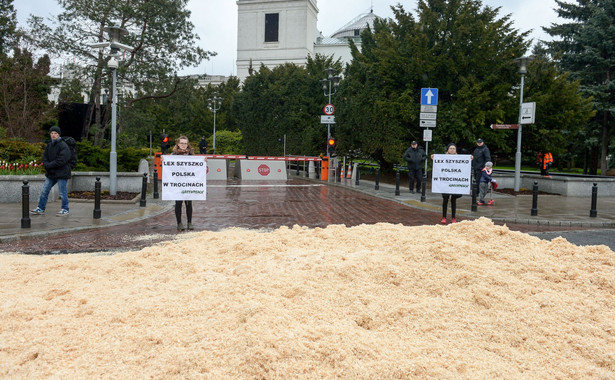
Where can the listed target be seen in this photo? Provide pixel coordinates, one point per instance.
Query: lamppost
(523, 61)
(215, 103)
(329, 87)
(115, 34)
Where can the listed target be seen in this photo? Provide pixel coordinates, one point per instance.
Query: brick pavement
(255, 205)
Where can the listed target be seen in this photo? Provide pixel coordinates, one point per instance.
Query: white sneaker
(62, 212)
(38, 211)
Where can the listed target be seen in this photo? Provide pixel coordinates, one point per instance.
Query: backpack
(72, 146)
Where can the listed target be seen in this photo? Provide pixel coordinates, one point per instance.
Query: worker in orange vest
(544, 162)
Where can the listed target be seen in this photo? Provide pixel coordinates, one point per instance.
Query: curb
(165, 207)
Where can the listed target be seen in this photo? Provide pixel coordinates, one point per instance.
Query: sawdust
(469, 300)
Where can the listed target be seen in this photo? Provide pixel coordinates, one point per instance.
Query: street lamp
(523, 61)
(115, 34)
(215, 103)
(329, 87)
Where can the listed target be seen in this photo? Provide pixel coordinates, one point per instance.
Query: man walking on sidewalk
(56, 161)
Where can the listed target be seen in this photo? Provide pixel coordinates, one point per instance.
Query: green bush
(96, 159)
(228, 142)
(89, 157)
(13, 150)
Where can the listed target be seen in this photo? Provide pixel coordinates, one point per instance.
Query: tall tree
(562, 110)
(24, 85)
(8, 26)
(159, 30)
(465, 50)
(286, 100)
(586, 48)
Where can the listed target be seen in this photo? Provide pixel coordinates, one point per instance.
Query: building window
(357, 32)
(272, 22)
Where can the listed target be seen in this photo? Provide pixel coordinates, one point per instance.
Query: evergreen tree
(8, 26)
(287, 100)
(586, 47)
(561, 113)
(463, 49)
(24, 85)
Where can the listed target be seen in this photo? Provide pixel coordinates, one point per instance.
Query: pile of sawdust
(470, 300)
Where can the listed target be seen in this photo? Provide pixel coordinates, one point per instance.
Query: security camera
(113, 63)
(117, 45)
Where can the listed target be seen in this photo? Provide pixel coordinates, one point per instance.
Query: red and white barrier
(217, 169)
(270, 170)
(261, 158)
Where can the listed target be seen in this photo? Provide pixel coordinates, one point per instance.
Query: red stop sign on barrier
(264, 170)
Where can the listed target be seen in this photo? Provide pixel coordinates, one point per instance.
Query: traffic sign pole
(428, 117)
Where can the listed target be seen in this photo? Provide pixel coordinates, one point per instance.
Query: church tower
(273, 32)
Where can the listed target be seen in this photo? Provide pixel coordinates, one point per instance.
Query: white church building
(274, 32)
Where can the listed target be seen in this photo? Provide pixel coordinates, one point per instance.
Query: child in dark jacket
(485, 180)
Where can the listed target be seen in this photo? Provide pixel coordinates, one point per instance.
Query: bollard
(156, 195)
(143, 190)
(297, 163)
(338, 173)
(97, 211)
(593, 212)
(377, 187)
(423, 187)
(357, 174)
(25, 205)
(535, 199)
(397, 183)
(474, 205)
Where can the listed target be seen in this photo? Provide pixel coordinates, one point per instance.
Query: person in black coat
(203, 145)
(57, 170)
(415, 157)
(480, 157)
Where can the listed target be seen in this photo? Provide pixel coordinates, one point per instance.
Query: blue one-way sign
(429, 96)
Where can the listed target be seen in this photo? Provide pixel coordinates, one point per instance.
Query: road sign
(428, 123)
(504, 126)
(427, 133)
(327, 119)
(428, 116)
(425, 108)
(429, 96)
(329, 109)
(528, 113)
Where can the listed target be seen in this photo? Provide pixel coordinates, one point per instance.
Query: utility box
(324, 169)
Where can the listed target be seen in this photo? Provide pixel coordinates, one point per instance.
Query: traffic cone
(342, 172)
(349, 172)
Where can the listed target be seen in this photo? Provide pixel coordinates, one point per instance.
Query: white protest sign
(183, 178)
(451, 173)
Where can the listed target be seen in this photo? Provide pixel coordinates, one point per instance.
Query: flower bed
(21, 168)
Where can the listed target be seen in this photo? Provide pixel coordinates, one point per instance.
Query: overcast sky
(216, 21)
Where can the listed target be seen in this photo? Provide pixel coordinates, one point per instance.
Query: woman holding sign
(182, 146)
(451, 149)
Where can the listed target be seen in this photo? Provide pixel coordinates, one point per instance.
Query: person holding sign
(451, 177)
(182, 147)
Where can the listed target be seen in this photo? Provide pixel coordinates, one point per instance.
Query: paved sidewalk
(552, 210)
(268, 205)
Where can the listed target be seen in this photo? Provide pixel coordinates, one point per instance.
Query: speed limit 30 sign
(329, 109)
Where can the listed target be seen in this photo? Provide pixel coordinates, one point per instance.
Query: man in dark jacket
(57, 170)
(415, 157)
(203, 146)
(481, 156)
